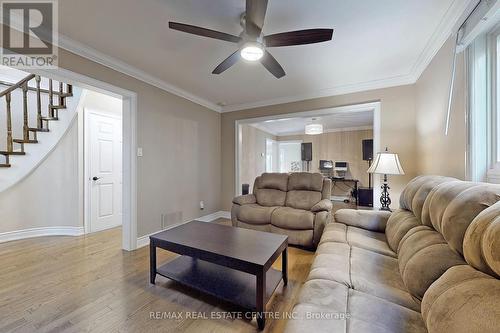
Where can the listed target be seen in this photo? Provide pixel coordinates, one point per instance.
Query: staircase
(29, 134)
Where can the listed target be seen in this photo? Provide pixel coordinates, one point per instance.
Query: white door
(105, 170)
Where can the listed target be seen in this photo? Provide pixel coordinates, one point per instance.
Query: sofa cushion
(463, 209)
(302, 199)
(347, 310)
(316, 298)
(463, 300)
(440, 198)
(334, 232)
(276, 181)
(362, 270)
(369, 240)
(370, 314)
(399, 223)
(291, 218)
(270, 197)
(305, 181)
(255, 214)
(482, 241)
(332, 262)
(378, 275)
(296, 237)
(258, 227)
(367, 219)
(423, 257)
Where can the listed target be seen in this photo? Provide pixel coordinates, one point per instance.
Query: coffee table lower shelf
(225, 283)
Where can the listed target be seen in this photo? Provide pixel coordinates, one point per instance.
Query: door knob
(95, 178)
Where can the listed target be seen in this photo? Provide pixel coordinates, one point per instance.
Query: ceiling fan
(252, 45)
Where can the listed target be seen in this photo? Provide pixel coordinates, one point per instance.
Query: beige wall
(181, 146)
(48, 197)
(338, 146)
(253, 153)
(397, 132)
(180, 166)
(439, 154)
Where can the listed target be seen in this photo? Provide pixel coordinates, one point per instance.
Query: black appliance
(325, 165)
(365, 196)
(368, 150)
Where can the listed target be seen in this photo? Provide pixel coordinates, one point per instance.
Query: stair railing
(23, 85)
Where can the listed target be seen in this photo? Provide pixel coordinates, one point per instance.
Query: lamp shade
(386, 163)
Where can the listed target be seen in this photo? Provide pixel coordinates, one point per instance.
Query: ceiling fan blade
(272, 65)
(228, 62)
(299, 37)
(255, 15)
(191, 29)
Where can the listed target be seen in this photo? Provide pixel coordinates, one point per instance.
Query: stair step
(35, 129)
(12, 153)
(50, 118)
(54, 107)
(24, 141)
(4, 165)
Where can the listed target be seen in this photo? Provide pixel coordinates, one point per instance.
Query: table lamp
(386, 163)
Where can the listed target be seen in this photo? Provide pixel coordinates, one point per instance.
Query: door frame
(87, 192)
(375, 107)
(129, 154)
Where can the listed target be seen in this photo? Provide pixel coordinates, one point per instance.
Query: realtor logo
(29, 35)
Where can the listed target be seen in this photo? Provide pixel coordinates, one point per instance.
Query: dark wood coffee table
(230, 263)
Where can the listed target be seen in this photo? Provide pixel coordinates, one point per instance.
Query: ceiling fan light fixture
(314, 129)
(252, 51)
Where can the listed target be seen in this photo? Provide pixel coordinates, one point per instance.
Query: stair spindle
(61, 97)
(38, 102)
(26, 134)
(10, 144)
(51, 98)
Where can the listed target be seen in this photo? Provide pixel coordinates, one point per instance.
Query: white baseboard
(39, 232)
(144, 240)
(214, 216)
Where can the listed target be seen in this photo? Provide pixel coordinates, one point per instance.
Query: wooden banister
(38, 103)
(16, 85)
(26, 136)
(10, 144)
(51, 98)
(43, 91)
(23, 85)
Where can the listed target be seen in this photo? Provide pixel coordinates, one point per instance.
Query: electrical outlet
(139, 152)
(202, 205)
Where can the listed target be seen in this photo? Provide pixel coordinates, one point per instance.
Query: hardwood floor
(88, 284)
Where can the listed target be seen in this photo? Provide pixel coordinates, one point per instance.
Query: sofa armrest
(324, 205)
(245, 199)
(365, 219)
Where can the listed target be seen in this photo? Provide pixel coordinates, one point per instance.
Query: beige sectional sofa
(297, 205)
(431, 266)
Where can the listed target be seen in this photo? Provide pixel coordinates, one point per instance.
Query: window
(483, 107)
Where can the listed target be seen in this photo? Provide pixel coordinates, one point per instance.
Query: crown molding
(443, 31)
(438, 38)
(94, 55)
(340, 90)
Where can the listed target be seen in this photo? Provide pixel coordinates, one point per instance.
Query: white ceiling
(376, 43)
(331, 122)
